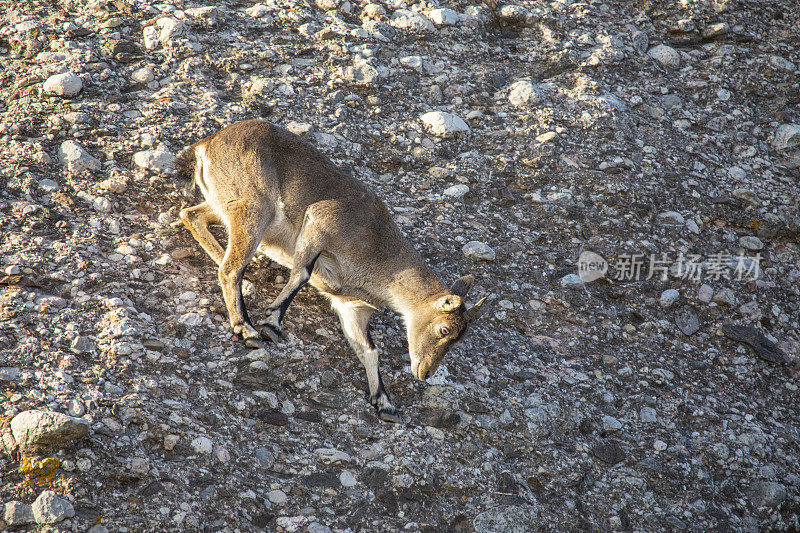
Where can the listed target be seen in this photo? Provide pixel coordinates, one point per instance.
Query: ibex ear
(462, 285)
(474, 312)
(447, 303)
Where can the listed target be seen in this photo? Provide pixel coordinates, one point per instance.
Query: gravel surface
(509, 141)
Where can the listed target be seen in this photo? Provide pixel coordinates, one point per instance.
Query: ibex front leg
(307, 250)
(354, 316)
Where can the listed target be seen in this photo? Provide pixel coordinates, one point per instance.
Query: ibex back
(275, 193)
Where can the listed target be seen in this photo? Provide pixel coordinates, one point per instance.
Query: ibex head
(437, 324)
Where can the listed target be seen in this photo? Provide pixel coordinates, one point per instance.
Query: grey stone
(665, 55)
(524, 94)
(611, 424)
(671, 218)
(749, 242)
(648, 414)
(725, 297)
(572, 281)
(66, 84)
(443, 124)
(50, 508)
(410, 20)
(787, 137)
(705, 293)
(686, 320)
(39, 431)
(478, 250)
(767, 494)
(18, 513)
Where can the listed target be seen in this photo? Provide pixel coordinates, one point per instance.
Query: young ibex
(277, 194)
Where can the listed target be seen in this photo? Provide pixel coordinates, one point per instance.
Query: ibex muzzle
(275, 193)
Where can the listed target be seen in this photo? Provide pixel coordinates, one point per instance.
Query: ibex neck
(411, 286)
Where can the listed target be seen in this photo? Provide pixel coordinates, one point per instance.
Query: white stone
(443, 124)
(444, 17)
(50, 508)
(478, 250)
(76, 158)
(347, 479)
(665, 55)
(150, 37)
(66, 84)
(456, 191)
(102, 205)
(410, 20)
(523, 94)
(202, 445)
(669, 297)
(787, 137)
(156, 160)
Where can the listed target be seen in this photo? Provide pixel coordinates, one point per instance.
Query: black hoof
(274, 334)
(389, 414)
(255, 343)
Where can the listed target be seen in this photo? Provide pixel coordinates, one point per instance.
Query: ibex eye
(444, 331)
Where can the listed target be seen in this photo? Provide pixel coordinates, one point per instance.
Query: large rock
(66, 84)
(443, 124)
(40, 431)
(50, 508)
(787, 137)
(76, 158)
(767, 494)
(665, 55)
(156, 160)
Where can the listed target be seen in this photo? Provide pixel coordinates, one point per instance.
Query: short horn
(474, 312)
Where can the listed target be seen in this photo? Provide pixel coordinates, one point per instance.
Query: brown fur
(272, 190)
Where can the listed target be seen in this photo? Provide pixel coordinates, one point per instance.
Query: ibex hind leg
(246, 227)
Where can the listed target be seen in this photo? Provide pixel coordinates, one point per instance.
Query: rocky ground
(508, 140)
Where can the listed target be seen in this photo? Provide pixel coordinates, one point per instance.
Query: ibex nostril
(427, 374)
